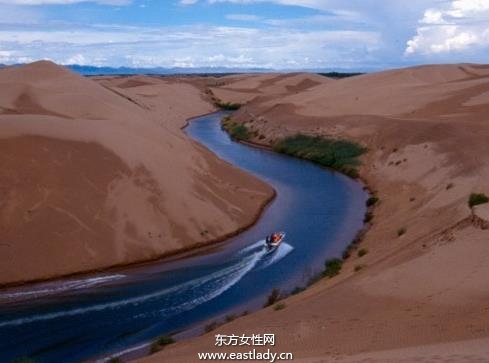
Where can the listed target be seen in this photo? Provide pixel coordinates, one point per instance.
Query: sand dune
(248, 87)
(421, 296)
(100, 174)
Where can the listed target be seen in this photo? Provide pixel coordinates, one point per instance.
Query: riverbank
(422, 278)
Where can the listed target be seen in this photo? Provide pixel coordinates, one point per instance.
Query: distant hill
(206, 71)
(94, 70)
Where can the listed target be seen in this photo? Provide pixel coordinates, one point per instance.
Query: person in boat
(271, 239)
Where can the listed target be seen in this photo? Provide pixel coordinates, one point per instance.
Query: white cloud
(338, 17)
(64, 2)
(243, 17)
(10, 14)
(192, 46)
(76, 59)
(337, 33)
(462, 26)
(313, 4)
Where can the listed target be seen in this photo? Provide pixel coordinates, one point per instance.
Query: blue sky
(278, 34)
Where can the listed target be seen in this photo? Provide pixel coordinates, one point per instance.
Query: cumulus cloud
(462, 26)
(192, 46)
(359, 34)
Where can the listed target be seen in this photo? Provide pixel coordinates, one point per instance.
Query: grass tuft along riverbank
(341, 155)
(237, 131)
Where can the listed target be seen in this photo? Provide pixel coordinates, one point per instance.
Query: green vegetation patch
(339, 75)
(297, 290)
(358, 268)
(228, 106)
(236, 130)
(160, 343)
(401, 231)
(368, 217)
(211, 326)
(372, 201)
(279, 306)
(362, 252)
(273, 297)
(477, 198)
(332, 267)
(340, 155)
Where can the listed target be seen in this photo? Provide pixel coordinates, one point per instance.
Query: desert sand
(97, 173)
(421, 296)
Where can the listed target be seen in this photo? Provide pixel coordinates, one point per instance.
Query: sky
(343, 35)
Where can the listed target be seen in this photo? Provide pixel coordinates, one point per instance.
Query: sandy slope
(98, 174)
(264, 86)
(427, 130)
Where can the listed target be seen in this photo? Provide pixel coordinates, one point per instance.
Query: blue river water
(82, 318)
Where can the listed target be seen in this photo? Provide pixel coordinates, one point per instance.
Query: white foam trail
(121, 353)
(238, 271)
(225, 284)
(59, 287)
(252, 247)
(200, 300)
(276, 256)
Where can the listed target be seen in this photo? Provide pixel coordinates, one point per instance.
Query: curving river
(80, 319)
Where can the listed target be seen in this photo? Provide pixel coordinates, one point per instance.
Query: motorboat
(273, 241)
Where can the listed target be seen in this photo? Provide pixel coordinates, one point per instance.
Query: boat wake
(162, 302)
(274, 257)
(56, 288)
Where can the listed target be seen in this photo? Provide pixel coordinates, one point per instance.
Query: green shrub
(160, 343)
(273, 297)
(228, 106)
(236, 130)
(356, 241)
(279, 306)
(230, 318)
(368, 217)
(332, 267)
(371, 201)
(401, 231)
(477, 198)
(362, 252)
(297, 290)
(211, 326)
(165, 340)
(154, 348)
(358, 268)
(340, 155)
